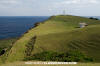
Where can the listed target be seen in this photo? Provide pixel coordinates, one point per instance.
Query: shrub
(2, 51)
(70, 56)
(30, 47)
(36, 24)
(94, 18)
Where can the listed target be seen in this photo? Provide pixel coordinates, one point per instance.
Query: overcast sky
(49, 7)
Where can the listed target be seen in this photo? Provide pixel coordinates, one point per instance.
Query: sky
(49, 7)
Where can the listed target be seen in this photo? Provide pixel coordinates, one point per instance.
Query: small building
(82, 25)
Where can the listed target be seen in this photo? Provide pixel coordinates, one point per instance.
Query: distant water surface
(15, 26)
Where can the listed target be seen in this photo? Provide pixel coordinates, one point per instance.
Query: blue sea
(15, 26)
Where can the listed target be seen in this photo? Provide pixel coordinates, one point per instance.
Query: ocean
(15, 26)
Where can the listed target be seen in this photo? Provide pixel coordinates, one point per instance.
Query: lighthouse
(64, 12)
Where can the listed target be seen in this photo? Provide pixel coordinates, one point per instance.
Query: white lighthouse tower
(64, 12)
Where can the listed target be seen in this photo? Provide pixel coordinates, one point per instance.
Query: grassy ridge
(60, 34)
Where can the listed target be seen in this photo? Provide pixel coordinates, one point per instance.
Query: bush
(94, 18)
(2, 51)
(36, 24)
(71, 56)
(30, 47)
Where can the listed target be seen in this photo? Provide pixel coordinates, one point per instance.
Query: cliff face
(59, 33)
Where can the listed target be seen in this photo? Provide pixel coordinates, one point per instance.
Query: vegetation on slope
(70, 56)
(60, 34)
(30, 47)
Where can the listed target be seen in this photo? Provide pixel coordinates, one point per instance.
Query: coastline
(8, 38)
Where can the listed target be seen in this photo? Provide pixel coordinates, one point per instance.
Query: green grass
(60, 34)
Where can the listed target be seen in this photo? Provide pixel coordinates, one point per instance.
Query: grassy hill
(60, 34)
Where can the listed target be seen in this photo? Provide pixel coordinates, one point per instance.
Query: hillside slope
(59, 33)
